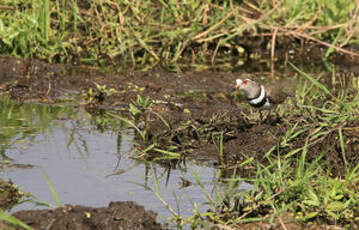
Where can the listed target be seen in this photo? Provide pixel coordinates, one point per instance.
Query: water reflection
(87, 165)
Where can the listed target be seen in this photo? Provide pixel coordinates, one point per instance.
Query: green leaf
(339, 197)
(314, 198)
(311, 215)
(311, 203)
(335, 206)
(134, 110)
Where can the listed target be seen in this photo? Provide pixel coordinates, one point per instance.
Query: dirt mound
(118, 215)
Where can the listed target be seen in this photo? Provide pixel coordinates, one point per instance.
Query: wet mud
(194, 105)
(118, 215)
(199, 110)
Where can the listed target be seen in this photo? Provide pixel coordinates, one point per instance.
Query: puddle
(82, 162)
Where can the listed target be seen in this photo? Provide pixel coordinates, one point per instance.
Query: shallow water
(82, 162)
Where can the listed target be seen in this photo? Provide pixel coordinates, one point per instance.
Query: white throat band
(260, 98)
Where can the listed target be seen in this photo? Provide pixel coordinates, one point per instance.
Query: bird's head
(250, 88)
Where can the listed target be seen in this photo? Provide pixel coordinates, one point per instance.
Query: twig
(178, 54)
(324, 29)
(308, 24)
(215, 26)
(352, 21)
(215, 52)
(2, 7)
(273, 52)
(337, 48)
(248, 22)
(282, 223)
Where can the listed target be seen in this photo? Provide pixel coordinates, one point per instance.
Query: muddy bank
(191, 114)
(197, 108)
(118, 215)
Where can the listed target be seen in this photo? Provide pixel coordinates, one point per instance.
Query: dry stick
(205, 15)
(245, 19)
(213, 37)
(282, 223)
(349, 128)
(144, 45)
(297, 34)
(273, 52)
(285, 32)
(337, 48)
(248, 21)
(244, 10)
(323, 29)
(352, 22)
(215, 52)
(215, 26)
(306, 25)
(316, 27)
(301, 50)
(204, 33)
(178, 54)
(2, 7)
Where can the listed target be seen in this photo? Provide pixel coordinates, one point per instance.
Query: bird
(260, 96)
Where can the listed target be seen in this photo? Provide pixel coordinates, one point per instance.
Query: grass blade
(342, 147)
(53, 192)
(168, 153)
(142, 134)
(313, 80)
(13, 220)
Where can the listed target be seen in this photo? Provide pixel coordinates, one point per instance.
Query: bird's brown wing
(280, 90)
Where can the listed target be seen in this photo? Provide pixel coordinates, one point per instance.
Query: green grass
(303, 191)
(144, 33)
(52, 189)
(10, 219)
